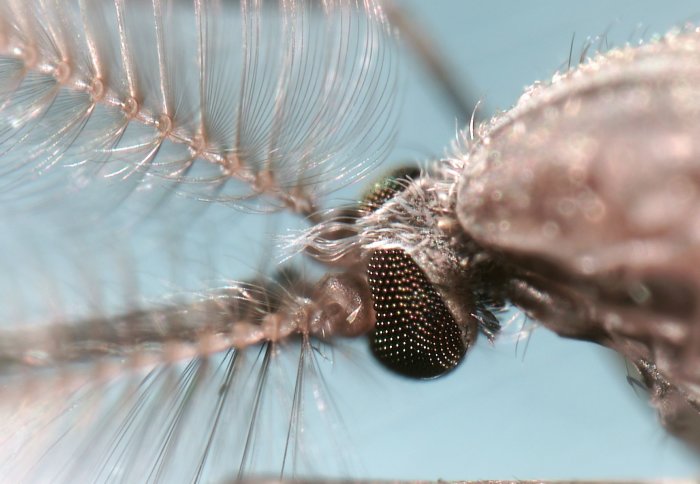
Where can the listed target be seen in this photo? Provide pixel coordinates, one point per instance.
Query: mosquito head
(411, 281)
(424, 315)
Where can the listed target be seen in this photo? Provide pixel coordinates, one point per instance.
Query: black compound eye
(415, 333)
(387, 187)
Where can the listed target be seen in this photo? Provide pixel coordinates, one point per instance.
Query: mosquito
(274, 147)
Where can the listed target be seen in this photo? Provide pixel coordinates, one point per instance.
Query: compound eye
(415, 334)
(387, 187)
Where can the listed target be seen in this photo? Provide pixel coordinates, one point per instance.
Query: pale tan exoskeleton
(337, 113)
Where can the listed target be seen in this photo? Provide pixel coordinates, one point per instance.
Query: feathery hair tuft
(239, 98)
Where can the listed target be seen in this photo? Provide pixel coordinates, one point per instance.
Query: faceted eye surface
(415, 333)
(388, 186)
